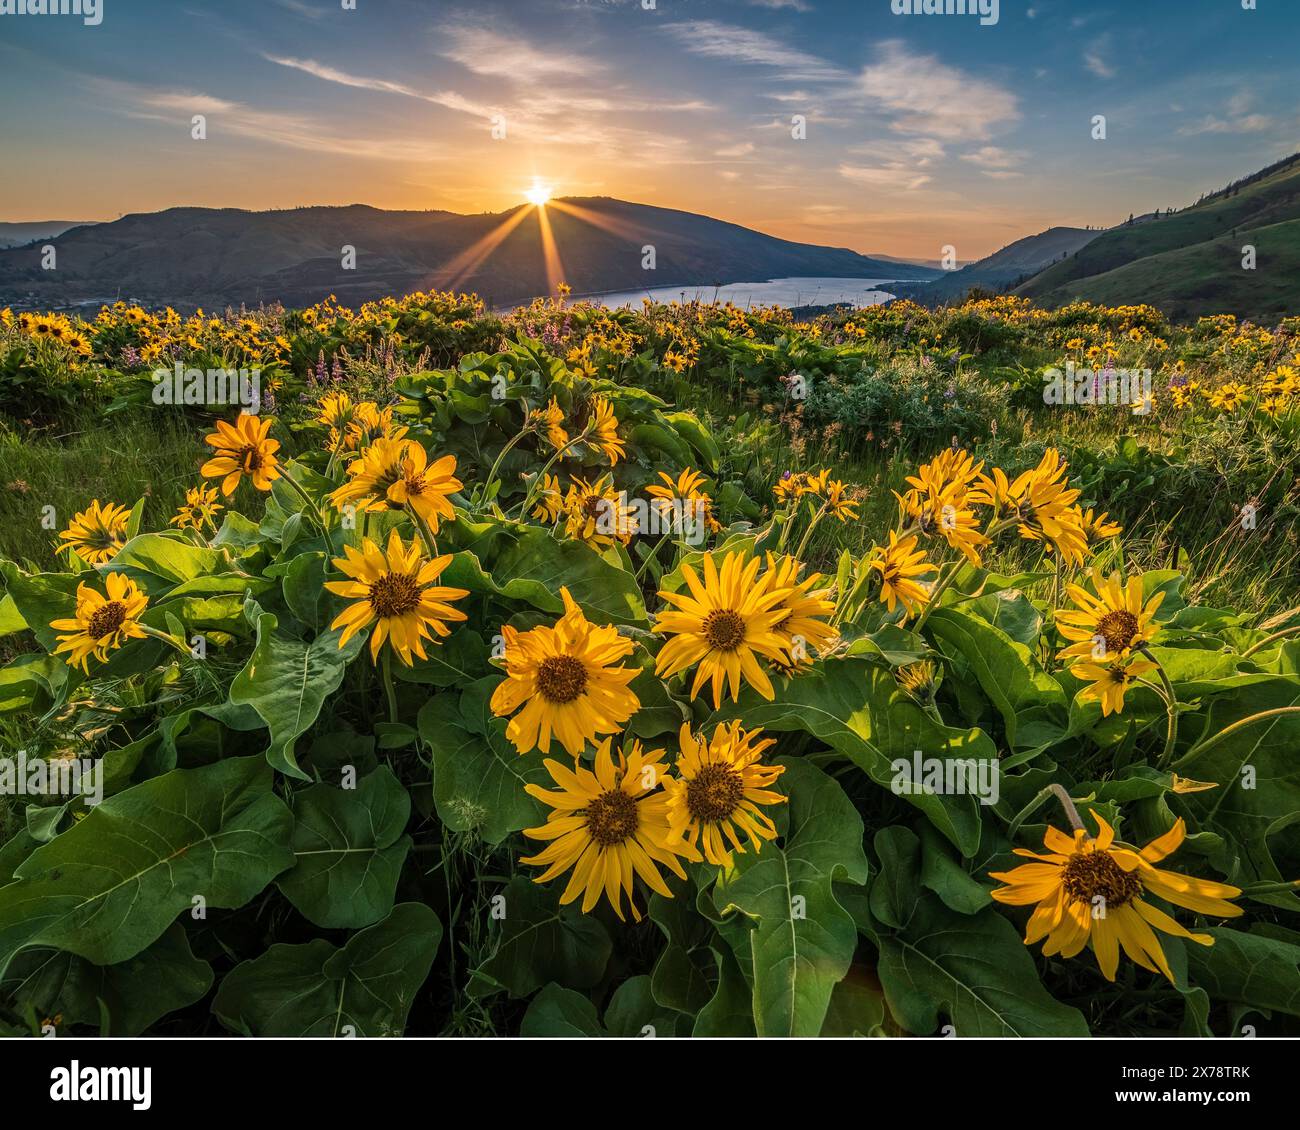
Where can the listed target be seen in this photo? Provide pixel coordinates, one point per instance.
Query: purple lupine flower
(321, 372)
(130, 357)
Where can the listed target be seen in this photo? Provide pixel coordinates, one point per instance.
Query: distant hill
(1189, 263)
(1005, 268)
(217, 257)
(15, 235)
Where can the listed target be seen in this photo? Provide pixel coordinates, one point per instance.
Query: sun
(539, 194)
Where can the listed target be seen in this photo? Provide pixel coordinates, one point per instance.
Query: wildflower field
(684, 671)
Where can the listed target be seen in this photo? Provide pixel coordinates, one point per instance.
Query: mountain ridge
(191, 256)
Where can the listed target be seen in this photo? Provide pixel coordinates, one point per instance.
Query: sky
(921, 131)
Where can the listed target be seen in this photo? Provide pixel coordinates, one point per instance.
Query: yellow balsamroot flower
(1112, 624)
(244, 448)
(725, 625)
(550, 501)
(720, 784)
(803, 626)
(598, 514)
(918, 680)
(1099, 526)
(369, 423)
(838, 503)
(97, 532)
(335, 411)
(102, 622)
(607, 824)
(1228, 397)
(899, 564)
(395, 474)
(1043, 505)
(687, 489)
(551, 420)
(605, 431)
(565, 679)
(1108, 681)
(394, 590)
(1089, 892)
(200, 509)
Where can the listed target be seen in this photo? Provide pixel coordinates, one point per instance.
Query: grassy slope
(1271, 202)
(1206, 278)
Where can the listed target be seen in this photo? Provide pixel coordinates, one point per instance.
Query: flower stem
(1269, 639)
(315, 511)
(807, 534)
(1171, 708)
(540, 477)
(389, 692)
(650, 557)
(949, 575)
(1058, 791)
(426, 534)
(1236, 727)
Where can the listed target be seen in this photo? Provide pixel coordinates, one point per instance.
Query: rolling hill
(1190, 263)
(214, 257)
(1005, 268)
(15, 235)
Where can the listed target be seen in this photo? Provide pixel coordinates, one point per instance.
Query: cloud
(921, 151)
(488, 52)
(449, 99)
(714, 40)
(927, 96)
(1249, 123)
(991, 157)
(289, 130)
(742, 149)
(893, 177)
(794, 5)
(1097, 65)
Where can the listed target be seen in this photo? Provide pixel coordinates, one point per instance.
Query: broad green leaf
(110, 885)
(858, 709)
(538, 941)
(286, 681)
(136, 993)
(971, 969)
(350, 845)
(1248, 968)
(897, 886)
(801, 939)
(365, 988)
(479, 776)
(557, 1011)
(1032, 704)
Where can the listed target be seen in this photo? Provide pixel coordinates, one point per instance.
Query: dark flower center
(1117, 629)
(1094, 873)
(714, 793)
(106, 619)
(394, 594)
(252, 459)
(724, 629)
(561, 678)
(611, 818)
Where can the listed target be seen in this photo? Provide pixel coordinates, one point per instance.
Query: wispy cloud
(486, 51)
(449, 99)
(1094, 58)
(893, 177)
(714, 40)
(927, 96)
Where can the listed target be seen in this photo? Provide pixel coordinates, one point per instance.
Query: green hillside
(1189, 263)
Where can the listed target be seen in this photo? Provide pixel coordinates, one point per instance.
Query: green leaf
(479, 776)
(801, 939)
(557, 1011)
(350, 846)
(896, 888)
(633, 1011)
(136, 993)
(286, 681)
(972, 969)
(366, 988)
(110, 885)
(1248, 968)
(1033, 706)
(857, 1007)
(538, 941)
(857, 708)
